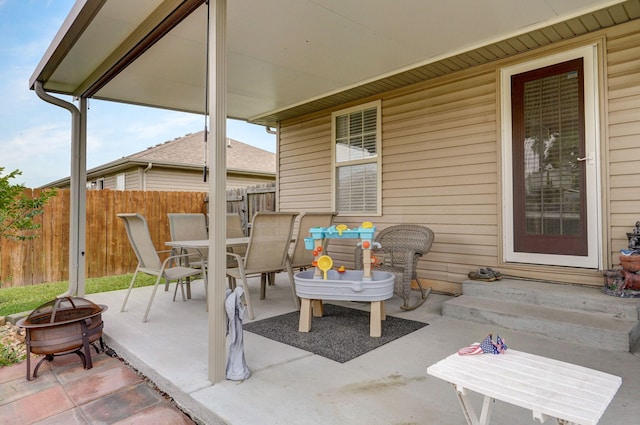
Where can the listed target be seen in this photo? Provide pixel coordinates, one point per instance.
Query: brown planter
(631, 280)
(630, 262)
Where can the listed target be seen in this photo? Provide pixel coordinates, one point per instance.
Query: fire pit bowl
(63, 326)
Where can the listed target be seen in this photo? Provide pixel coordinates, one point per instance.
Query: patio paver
(64, 393)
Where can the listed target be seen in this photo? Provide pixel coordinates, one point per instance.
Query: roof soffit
(611, 15)
(287, 58)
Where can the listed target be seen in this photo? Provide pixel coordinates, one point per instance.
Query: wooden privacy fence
(108, 253)
(249, 200)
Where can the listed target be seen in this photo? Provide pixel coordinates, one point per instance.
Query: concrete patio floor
(388, 385)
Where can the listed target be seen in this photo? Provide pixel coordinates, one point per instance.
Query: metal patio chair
(402, 246)
(266, 252)
(186, 227)
(149, 261)
(235, 230)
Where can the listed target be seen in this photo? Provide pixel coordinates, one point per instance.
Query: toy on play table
(323, 263)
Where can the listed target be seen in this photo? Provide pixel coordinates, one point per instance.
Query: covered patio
(267, 63)
(388, 385)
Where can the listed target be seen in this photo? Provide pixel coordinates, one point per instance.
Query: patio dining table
(204, 243)
(200, 244)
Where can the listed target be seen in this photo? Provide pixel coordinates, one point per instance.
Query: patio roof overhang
(274, 60)
(287, 58)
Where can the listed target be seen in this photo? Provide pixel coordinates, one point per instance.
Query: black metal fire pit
(63, 326)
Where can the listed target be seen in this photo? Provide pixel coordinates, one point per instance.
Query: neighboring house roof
(191, 150)
(188, 152)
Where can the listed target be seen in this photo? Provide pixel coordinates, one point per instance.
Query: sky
(35, 136)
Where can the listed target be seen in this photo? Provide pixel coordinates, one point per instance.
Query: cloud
(38, 152)
(127, 129)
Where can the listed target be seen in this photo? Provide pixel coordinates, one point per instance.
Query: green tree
(17, 210)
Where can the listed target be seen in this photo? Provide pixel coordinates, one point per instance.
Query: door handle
(589, 158)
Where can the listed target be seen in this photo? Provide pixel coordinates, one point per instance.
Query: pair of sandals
(486, 274)
(487, 346)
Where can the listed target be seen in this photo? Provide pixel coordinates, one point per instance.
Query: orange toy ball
(314, 263)
(319, 249)
(366, 244)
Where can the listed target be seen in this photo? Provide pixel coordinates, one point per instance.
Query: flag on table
(487, 345)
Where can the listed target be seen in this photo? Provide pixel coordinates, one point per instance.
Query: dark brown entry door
(549, 160)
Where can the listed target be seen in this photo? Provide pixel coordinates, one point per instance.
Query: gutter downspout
(77, 210)
(144, 176)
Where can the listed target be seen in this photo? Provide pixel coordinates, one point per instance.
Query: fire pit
(63, 326)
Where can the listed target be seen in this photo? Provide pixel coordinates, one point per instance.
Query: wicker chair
(401, 247)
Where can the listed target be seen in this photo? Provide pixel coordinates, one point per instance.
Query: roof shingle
(192, 150)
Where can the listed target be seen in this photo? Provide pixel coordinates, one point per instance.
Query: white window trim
(589, 54)
(378, 160)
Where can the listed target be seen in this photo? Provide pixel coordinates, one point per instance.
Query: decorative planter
(614, 279)
(631, 280)
(630, 262)
(345, 286)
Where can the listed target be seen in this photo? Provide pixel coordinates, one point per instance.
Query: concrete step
(567, 313)
(554, 295)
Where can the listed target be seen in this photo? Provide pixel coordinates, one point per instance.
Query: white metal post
(217, 188)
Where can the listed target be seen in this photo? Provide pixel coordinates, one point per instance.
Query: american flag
(502, 346)
(488, 346)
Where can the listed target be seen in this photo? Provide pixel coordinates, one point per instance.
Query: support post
(217, 189)
(77, 209)
(77, 255)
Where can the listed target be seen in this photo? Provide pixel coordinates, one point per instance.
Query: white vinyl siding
(304, 177)
(180, 180)
(441, 166)
(623, 67)
(356, 160)
(159, 178)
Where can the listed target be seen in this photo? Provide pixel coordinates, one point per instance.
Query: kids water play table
(343, 286)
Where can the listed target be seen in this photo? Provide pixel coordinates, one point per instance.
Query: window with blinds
(356, 159)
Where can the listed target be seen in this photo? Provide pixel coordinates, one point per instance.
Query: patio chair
(149, 261)
(401, 247)
(235, 230)
(300, 257)
(186, 227)
(266, 252)
(234, 226)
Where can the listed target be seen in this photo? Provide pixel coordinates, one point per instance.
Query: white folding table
(549, 388)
